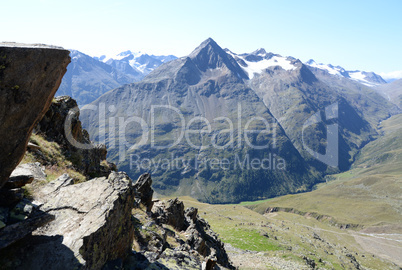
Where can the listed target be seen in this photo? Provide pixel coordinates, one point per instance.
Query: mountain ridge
(211, 83)
(206, 86)
(370, 79)
(88, 78)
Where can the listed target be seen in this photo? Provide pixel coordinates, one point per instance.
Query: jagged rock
(170, 212)
(92, 226)
(199, 238)
(155, 238)
(206, 242)
(191, 214)
(8, 197)
(144, 191)
(12, 233)
(29, 78)
(87, 158)
(19, 178)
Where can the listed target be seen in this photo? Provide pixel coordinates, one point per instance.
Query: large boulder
(29, 77)
(92, 226)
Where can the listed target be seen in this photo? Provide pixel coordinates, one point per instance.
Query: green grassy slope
(284, 240)
(369, 194)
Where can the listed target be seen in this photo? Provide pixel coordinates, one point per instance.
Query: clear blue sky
(364, 35)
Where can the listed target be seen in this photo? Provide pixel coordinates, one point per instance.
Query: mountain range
(137, 61)
(88, 78)
(240, 110)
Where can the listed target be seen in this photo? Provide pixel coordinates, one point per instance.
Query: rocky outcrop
(171, 213)
(87, 158)
(173, 238)
(92, 226)
(144, 192)
(29, 77)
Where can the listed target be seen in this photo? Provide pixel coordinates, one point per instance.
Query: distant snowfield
(258, 67)
(119, 56)
(331, 69)
(359, 76)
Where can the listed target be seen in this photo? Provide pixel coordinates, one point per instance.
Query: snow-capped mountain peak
(260, 51)
(139, 61)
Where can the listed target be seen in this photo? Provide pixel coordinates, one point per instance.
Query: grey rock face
(144, 191)
(36, 169)
(92, 225)
(170, 212)
(174, 238)
(29, 78)
(52, 126)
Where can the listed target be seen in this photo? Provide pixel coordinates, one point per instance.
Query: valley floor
(289, 241)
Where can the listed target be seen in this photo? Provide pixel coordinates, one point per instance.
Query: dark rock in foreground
(29, 78)
(92, 226)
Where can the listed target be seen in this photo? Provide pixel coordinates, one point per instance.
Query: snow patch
(331, 70)
(258, 67)
(357, 75)
(361, 78)
(119, 56)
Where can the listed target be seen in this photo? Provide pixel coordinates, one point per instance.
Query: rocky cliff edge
(29, 78)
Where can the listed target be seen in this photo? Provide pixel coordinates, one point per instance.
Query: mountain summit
(209, 55)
